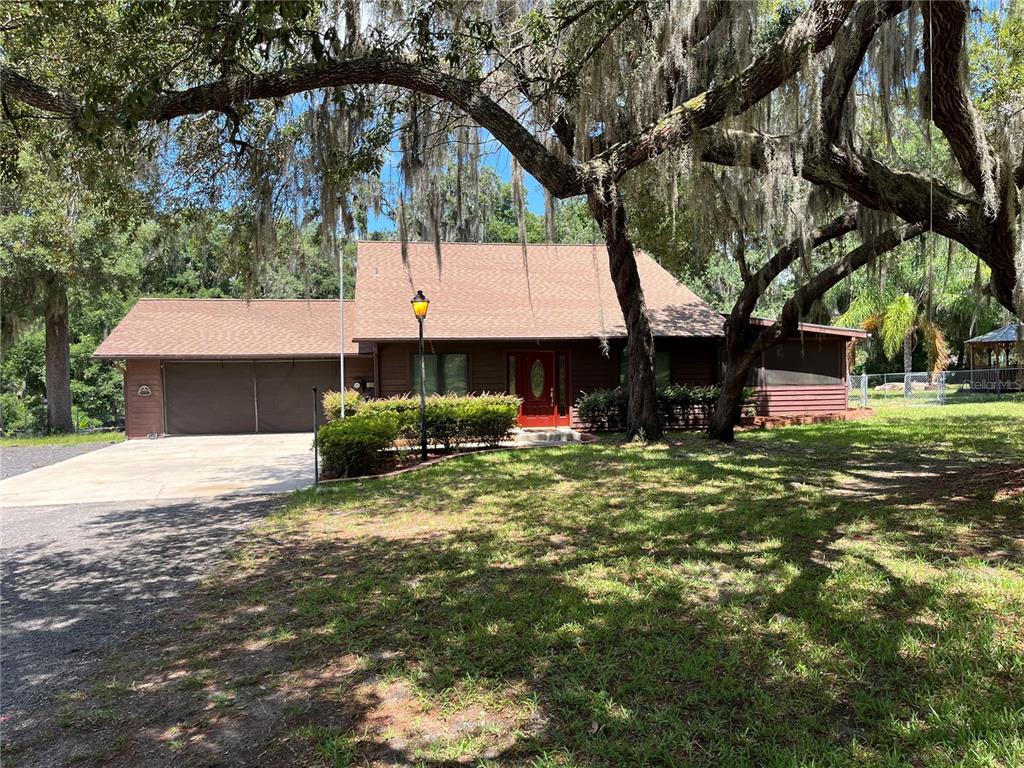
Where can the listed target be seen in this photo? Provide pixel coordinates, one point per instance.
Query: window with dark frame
(446, 373)
(662, 367)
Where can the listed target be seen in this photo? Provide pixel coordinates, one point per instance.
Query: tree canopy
(810, 105)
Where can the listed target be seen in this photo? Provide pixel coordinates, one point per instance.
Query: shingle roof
(225, 328)
(1008, 333)
(486, 291)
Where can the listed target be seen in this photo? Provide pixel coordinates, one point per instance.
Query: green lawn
(69, 439)
(847, 594)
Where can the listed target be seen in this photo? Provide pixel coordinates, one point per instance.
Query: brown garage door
(217, 397)
(284, 393)
(209, 398)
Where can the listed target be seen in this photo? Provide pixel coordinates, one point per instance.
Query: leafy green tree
(57, 234)
(918, 299)
(897, 318)
(580, 93)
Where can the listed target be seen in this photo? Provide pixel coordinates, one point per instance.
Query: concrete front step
(545, 436)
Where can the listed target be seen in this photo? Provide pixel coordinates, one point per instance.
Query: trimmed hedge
(356, 446)
(332, 404)
(452, 420)
(680, 406)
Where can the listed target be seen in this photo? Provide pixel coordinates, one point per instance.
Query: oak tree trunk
(739, 359)
(606, 205)
(58, 358)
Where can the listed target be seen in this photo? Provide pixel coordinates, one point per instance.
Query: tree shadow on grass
(66, 602)
(594, 606)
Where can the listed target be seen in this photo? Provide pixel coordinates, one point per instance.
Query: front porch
(549, 375)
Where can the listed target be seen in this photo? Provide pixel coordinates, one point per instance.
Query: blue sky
(494, 156)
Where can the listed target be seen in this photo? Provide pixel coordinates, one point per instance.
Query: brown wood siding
(694, 361)
(143, 415)
(592, 369)
(357, 368)
(774, 401)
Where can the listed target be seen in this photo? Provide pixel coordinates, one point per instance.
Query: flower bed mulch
(772, 422)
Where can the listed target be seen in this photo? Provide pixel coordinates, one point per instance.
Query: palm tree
(895, 319)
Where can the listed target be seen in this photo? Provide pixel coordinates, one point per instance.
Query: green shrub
(332, 404)
(18, 416)
(488, 419)
(603, 409)
(356, 445)
(405, 409)
(680, 406)
(452, 420)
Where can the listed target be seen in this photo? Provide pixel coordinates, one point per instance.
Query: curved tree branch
(865, 180)
(944, 58)
(754, 287)
(848, 57)
(817, 286)
(561, 178)
(813, 31)
(34, 95)
(741, 355)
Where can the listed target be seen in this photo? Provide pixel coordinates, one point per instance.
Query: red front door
(536, 385)
(541, 379)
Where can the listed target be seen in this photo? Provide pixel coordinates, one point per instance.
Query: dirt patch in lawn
(955, 481)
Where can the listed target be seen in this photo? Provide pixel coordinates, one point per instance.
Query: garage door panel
(284, 393)
(209, 398)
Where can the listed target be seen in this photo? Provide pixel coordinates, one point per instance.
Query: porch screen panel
(811, 363)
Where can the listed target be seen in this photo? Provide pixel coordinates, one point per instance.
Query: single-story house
(545, 326)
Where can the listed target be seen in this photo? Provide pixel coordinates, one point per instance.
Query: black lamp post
(419, 308)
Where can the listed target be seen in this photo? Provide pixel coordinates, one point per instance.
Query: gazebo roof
(1004, 335)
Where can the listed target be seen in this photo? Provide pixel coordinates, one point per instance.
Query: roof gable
(489, 291)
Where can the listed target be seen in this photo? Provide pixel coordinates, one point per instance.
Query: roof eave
(177, 356)
(595, 337)
(824, 330)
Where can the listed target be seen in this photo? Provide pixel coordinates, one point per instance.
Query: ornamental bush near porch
(453, 421)
(356, 446)
(680, 406)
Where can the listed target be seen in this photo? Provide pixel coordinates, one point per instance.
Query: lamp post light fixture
(420, 303)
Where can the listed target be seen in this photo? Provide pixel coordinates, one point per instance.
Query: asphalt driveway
(76, 581)
(93, 548)
(168, 469)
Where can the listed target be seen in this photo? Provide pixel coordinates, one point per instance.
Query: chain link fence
(932, 388)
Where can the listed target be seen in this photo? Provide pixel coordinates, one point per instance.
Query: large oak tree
(581, 93)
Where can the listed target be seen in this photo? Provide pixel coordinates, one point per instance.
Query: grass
(75, 438)
(846, 594)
